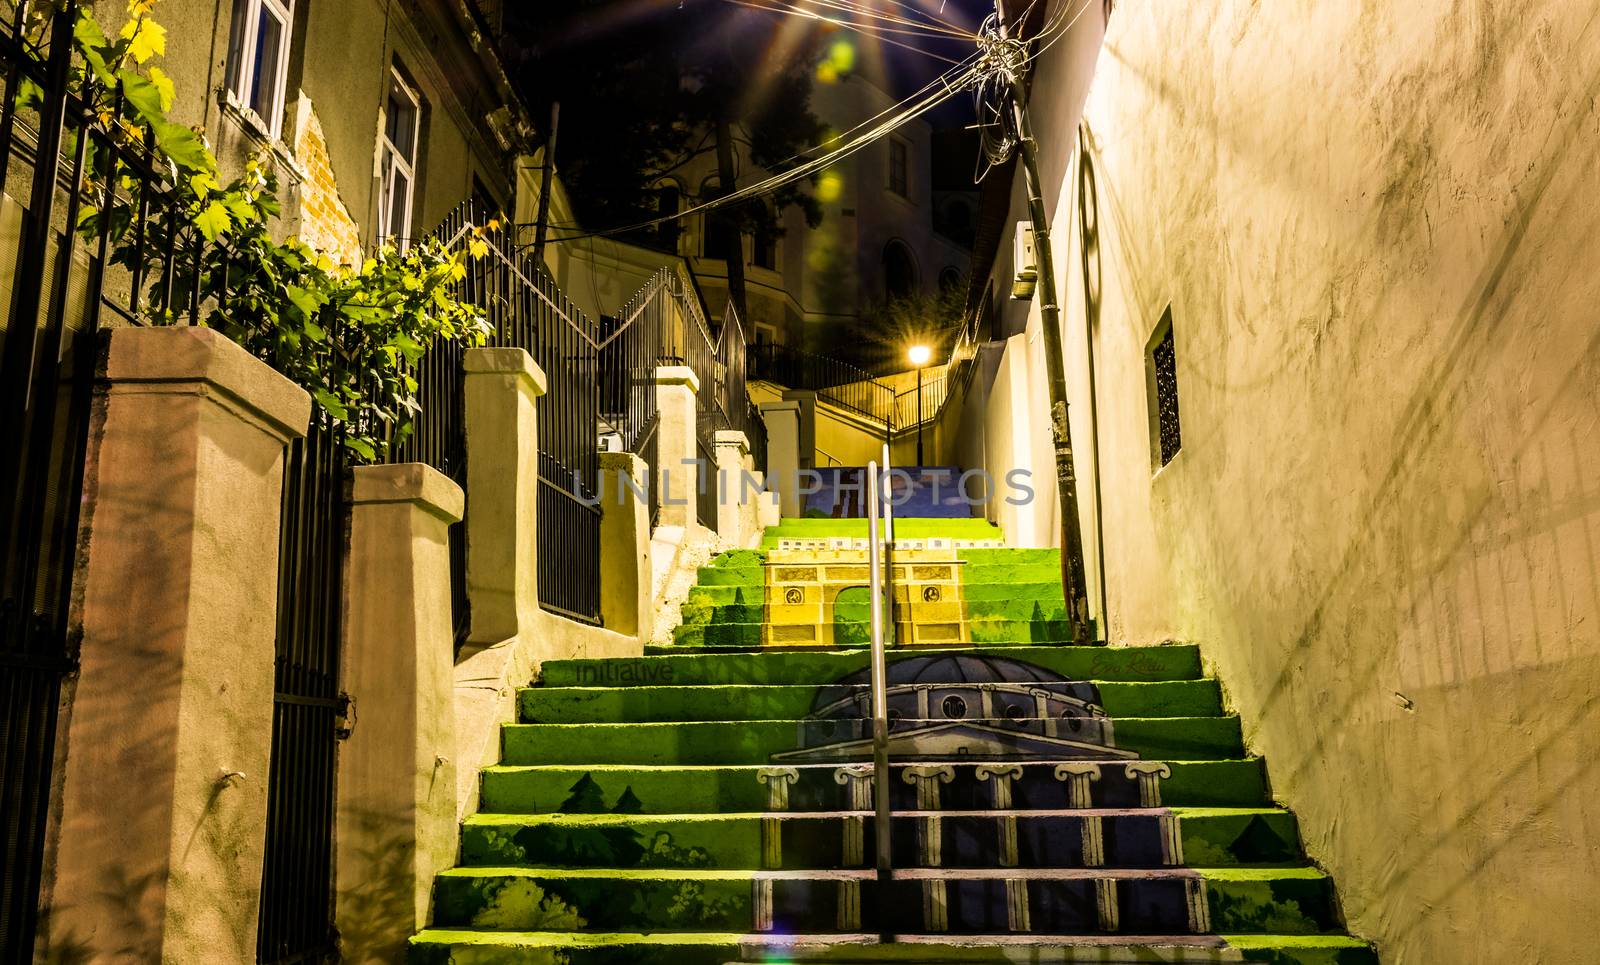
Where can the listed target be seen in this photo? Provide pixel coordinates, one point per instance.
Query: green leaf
(143, 96)
(183, 147)
(145, 38)
(408, 346)
(164, 86)
(361, 446)
(330, 403)
(213, 221)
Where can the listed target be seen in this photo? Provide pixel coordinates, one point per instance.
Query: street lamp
(919, 354)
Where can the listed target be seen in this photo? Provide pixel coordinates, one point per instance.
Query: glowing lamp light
(920, 354)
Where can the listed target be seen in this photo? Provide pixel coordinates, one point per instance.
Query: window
(899, 271)
(899, 168)
(669, 201)
(721, 235)
(766, 241)
(258, 57)
(402, 114)
(1162, 363)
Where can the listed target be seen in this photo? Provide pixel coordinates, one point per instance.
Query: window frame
(243, 64)
(900, 167)
(394, 159)
(1163, 342)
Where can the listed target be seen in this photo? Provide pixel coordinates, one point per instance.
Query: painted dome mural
(959, 706)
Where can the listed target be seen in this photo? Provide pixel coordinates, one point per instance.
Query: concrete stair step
(698, 789)
(578, 705)
(853, 632)
(956, 900)
(758, 741)
(1128, 838)
(751, 593)
(441, 946)
(672, 667)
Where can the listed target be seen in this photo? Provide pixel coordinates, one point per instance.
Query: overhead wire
(777, 6)
(921, 27)
(995, 60)
(804, 170)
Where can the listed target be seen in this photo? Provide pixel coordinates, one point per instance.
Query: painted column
(396, 809)
(502, 388)
(783, 453)
(1000, 777)
(625, 545)
(930, 839)
(777, 780)
(1079, 777)
(164, 786)
(857, 778)
(676, 386)
(733, 452)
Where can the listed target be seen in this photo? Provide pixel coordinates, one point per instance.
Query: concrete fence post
(396, 814)
(163, 799)
(783, 453)
(733, 454)
(676, 386)
(625, 545)
(503, 386)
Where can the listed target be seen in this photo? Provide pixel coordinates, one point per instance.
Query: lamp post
(919, 354)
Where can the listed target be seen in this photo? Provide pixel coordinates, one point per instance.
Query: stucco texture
(1375, 226)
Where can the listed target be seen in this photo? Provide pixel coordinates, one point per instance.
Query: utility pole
(1073, 582)
(546, 179)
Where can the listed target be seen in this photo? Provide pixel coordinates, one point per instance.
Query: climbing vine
(349, 337)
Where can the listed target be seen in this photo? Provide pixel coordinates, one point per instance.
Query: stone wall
(1374, 225)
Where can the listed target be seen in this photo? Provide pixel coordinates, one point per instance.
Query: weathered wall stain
(1374, 224)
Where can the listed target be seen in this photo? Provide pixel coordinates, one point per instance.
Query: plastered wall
(1375, 224)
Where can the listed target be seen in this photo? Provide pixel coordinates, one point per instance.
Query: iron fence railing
(62, 168)
(296, 916)
(526, 310)
(663, 324)
(839, 383)
(921, 403)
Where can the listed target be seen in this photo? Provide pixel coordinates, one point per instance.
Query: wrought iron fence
(839, 383)
(526, 310)
(663, 324)
(59, 167)
(296, 915)
(923, 402)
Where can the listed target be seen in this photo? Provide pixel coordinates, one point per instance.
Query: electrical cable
(993, 72)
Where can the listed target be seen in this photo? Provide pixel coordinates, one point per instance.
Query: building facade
(881, 236)
(1330, 350)
(380, 118)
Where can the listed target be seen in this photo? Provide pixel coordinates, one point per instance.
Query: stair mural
(708, 805)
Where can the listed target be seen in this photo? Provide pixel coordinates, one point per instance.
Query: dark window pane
(268, 58)
(1165, 361)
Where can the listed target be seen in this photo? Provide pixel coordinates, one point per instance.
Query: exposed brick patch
(325, 223)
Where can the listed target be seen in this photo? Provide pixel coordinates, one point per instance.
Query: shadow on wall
(1499, 565)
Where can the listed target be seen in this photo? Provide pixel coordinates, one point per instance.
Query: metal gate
(308, 711)
(47, 335)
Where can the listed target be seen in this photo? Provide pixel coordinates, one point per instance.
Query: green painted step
(442, 946)
(756, 741)
(734, 789)
(1211, 837)
(993, 632)
(910, 527)
(725, 595)
(666, 667)
(581, 705)
(1261, 900)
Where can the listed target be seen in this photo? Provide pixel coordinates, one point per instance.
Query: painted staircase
(709, 804)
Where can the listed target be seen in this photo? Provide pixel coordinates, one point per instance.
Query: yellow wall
(1376, 226)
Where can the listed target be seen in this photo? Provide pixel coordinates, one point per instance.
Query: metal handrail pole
(880, 692)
